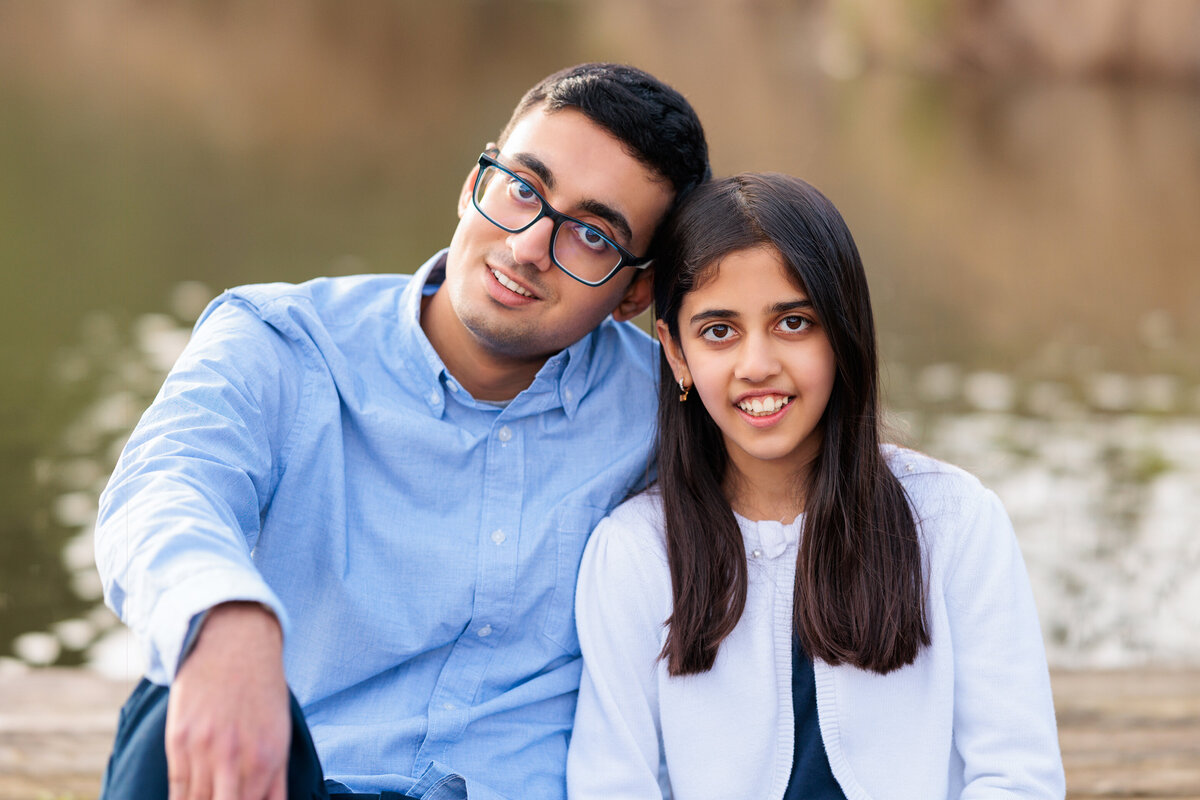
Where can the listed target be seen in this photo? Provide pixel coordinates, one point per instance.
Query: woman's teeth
(512, 286)
(764, 406)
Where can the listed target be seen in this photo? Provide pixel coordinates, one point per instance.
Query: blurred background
(1022, 178)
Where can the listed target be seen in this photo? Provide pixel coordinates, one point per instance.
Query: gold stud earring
(685, 389)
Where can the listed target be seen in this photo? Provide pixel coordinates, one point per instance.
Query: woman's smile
(764, 410)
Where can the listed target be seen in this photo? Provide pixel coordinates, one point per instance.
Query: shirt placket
(495, 586)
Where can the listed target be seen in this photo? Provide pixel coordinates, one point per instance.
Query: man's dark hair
(655, 123)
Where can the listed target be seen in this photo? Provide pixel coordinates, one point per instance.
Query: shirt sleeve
(180, 515)
(621, 605)
(1004, 726)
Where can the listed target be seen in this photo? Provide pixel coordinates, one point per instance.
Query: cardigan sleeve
(621, 605)
(1004, 725)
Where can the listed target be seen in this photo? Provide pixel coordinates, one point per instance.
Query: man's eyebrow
(602, 210)
(611, 216)
(537, 167)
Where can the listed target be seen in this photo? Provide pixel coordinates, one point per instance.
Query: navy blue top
(812, 779)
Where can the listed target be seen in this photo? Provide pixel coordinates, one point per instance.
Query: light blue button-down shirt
(310, 451)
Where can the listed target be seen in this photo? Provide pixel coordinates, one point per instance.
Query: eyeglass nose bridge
(624, 258)
(546, 210)
(556, 217)
(541, 246)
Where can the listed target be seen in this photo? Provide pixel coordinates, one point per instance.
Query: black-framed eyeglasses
(511, 204)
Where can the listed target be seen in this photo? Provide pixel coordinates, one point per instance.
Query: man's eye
(716, 333)
(521, 191)
(591, 238)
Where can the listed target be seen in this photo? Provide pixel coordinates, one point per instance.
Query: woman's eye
(716, 333)
(795, 324)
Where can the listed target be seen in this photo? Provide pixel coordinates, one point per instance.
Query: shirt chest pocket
(570, 528)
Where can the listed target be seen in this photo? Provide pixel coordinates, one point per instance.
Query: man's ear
(468, 185)
(637, 297)
(464, 197)
(673, 352)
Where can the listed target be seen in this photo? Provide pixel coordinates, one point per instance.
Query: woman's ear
(673, 352)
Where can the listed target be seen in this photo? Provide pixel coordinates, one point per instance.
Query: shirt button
(505, 434)
(452, 386)
(909, 467)
(434, 397)
(448, 706)
(756, 552)
(498, 537)
(486, 630)
(567, 395)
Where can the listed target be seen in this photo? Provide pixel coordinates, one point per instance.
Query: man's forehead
(553, 136)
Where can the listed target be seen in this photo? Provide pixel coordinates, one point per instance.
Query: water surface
(1032, 251)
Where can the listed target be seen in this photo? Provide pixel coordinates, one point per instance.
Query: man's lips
(512, 285)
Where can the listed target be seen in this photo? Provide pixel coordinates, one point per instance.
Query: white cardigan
(972, 717)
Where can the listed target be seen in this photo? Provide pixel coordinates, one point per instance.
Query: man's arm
(228, 723)
(182, 511)
(176, 527)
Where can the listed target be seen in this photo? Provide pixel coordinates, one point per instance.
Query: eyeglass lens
(512, 204)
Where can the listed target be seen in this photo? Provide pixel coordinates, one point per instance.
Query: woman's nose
(757, 360)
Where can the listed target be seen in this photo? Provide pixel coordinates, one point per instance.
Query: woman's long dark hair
(860, 594)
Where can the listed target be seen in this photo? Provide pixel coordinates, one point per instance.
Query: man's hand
(228, 719)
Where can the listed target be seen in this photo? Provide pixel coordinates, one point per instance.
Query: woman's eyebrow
(790, 305)
(713, 313)
(728, 313)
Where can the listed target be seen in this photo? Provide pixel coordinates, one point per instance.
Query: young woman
(795, 610)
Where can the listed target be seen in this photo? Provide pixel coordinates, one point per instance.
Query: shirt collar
(768, 537)
(420, 360)
(561, 382)
(564, 379)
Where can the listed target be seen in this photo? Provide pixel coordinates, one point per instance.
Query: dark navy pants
(137, 769)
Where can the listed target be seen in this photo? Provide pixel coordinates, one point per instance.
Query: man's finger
(226, 784)
(278, 790)
(177, 775)
(200, 785)
(177, 789)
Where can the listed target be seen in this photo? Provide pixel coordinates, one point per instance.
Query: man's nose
(532, 245)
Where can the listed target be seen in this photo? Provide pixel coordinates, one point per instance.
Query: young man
(376, 490)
